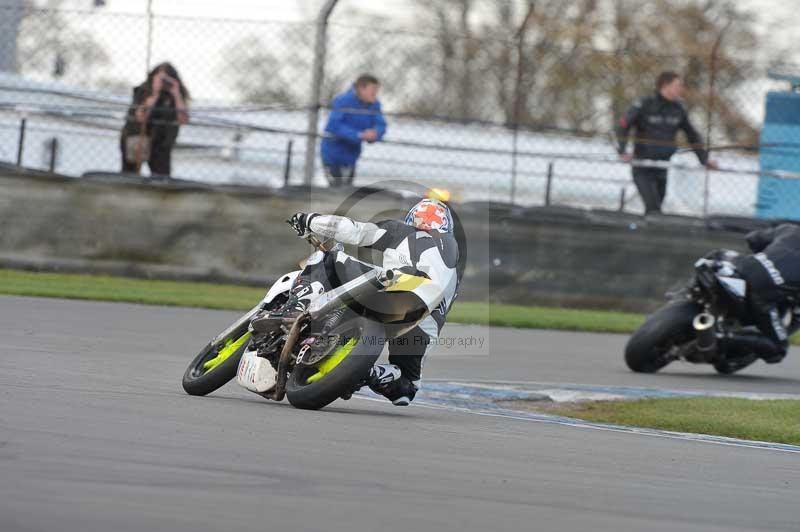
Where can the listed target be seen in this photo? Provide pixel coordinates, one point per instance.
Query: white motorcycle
(322, 355)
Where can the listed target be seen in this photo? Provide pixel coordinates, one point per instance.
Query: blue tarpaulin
(780, 152)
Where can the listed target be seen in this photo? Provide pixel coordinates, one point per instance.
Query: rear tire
(668, 326)
(346, 376)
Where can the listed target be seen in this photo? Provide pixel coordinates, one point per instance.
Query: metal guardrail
(100, 122)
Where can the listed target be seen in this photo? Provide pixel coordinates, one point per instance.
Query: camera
(166, 84)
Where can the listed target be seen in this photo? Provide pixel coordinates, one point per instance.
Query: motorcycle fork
(286, 353)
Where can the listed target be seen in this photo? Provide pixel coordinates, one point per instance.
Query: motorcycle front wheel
(216, 364)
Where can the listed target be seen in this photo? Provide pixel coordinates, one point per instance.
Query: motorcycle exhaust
(370, 282)
(386, 278)
(703, 325)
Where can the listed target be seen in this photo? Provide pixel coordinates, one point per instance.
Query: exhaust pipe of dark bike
(703, 325)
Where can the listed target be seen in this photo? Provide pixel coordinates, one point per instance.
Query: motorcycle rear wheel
(215, 365)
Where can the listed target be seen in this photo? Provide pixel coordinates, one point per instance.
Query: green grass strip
(233, 297)
(106, 288)
(775, 421)
(544, 317)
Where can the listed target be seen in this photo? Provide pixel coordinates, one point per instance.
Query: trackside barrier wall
(182, 230)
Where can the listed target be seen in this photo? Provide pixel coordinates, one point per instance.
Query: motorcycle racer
(423, 245)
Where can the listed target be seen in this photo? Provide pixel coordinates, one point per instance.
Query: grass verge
(545, 317)
(772, 421)
(233, 297)
(107, 288)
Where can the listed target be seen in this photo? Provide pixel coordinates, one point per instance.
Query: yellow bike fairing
(407, 283)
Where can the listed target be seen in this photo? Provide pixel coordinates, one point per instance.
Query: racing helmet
(430, 215)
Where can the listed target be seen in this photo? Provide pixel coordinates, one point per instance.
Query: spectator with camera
(355, 117)
(158, 110)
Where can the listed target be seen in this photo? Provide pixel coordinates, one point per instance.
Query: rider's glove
(300, 222)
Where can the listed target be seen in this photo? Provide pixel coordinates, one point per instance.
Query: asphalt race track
(96, 434)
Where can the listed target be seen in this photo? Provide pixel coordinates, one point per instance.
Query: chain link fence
(499, 110)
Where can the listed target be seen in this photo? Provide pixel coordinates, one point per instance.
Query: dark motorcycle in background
(707, 322)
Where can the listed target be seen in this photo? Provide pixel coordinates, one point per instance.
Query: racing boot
(301, 296)
(388, 380)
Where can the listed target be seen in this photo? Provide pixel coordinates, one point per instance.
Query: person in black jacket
(657, 120)
(772, 274)
(158, 110)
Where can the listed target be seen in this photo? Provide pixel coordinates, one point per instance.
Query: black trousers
(340, 175)
(652, 186)
(160, 161)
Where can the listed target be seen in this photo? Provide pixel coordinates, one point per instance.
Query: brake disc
(322, 346)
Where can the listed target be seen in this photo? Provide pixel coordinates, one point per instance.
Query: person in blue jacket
(355, 117)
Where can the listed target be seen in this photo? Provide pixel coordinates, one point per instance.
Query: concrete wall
(189, 231)
(596, 261)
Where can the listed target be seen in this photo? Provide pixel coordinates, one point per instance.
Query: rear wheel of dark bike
(216, 364)
(669, 326)
(358, 347)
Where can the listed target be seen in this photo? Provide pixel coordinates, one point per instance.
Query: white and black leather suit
(399, 246)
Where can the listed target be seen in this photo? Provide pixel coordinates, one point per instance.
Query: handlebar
(318, 244)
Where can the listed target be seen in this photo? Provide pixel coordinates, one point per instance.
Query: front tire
(669, 326)
(204, 376)
(362, 341)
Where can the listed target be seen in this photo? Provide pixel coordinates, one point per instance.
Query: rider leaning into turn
(422, 245)
(772, 273)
